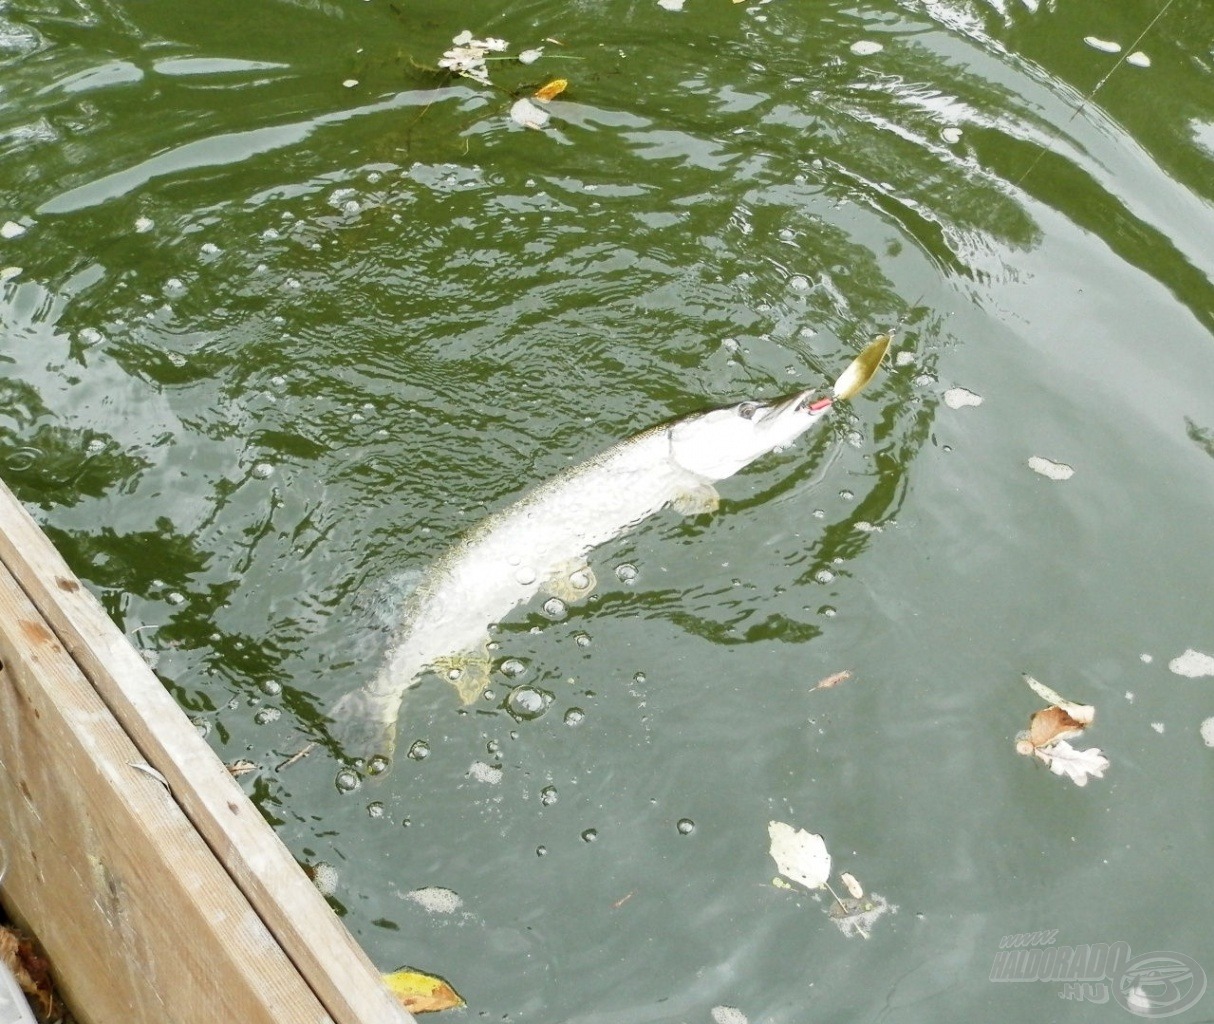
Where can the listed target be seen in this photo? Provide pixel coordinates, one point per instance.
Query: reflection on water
(273, 340)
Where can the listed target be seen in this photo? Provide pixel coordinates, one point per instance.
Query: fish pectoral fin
(572, 581)
(696, 501)
(468, 673)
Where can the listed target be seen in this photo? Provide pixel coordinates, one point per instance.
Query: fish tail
(362, 723)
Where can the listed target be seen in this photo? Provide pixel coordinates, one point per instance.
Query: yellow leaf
(552, 90)
(422, 993)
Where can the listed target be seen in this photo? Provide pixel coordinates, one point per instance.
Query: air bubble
(267, 715)
(847, 495)
(541, 851)
(143, 225)
(590, 835)
(528, 702)
(799, 283)
(513, 668)
(525, 576)
(375, 809)
(580, 580)
(548, 796)
(582, 640)
(639, 678)
(824, 576)
(262, 470)
(91, 336)
(347, 781)
(174, 287)
(270, 687)
(378, 765)
(575, 716)
(685, 826)
(555, 609)
(419, 751)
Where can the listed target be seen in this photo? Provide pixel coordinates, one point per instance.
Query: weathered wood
(139, 918)
(294, 919)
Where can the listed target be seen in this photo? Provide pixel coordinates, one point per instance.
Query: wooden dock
(155, 903)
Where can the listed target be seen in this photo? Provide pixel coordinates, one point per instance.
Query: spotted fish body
(542, 541)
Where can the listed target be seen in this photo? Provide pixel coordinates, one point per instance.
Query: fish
(543, 540)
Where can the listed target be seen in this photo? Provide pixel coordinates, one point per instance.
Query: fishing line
(1080, 107)
(1091, 95)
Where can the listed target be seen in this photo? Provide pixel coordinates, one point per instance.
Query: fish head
(718, 444)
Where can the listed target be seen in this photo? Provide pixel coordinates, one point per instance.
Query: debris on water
(531, 56)
(435, 899)
(349, 83)
(11, 229)
(550, 91)
(728, 1015)
(832, 680)
(1048, 732)
(951, 134)
(852, 884)
(419, 992)
(1103, 45)
(800, 856)
(1049, 469)
(324, 877)
(143, 225)
(1158, 727)
(671, 5)
(1207, 732)
(1192, 664)
(489, 774)
(959, 398)
(1145, 658)
(858, 916)
(1138, 59)
(467, 56)
(527, 114)
(866, 47)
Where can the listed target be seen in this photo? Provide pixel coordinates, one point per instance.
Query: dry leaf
(30, 968)
(799, 855)
(834, 680)
(1052, 724)
(549, 92)
(422, 993)
(1082, 713)
(1076, 765)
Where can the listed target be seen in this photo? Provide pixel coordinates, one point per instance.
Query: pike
(542, 542)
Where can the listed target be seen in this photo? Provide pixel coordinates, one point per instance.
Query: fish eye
(747, 410)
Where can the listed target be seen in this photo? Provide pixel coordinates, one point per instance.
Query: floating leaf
(422, 993)
(852, 884)
(799, 855)
(1082, 713)
(527, 114)
(1076, 765)
(531, 56)
(1045, 727)
(549, 92)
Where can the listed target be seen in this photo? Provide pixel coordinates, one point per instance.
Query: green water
(276, 340)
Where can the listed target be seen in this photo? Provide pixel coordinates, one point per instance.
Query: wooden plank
(303, 924)
(141, 922)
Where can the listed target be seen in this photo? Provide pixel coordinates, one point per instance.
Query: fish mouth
(812, 402)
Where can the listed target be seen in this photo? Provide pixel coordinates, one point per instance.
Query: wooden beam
(106, 839)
